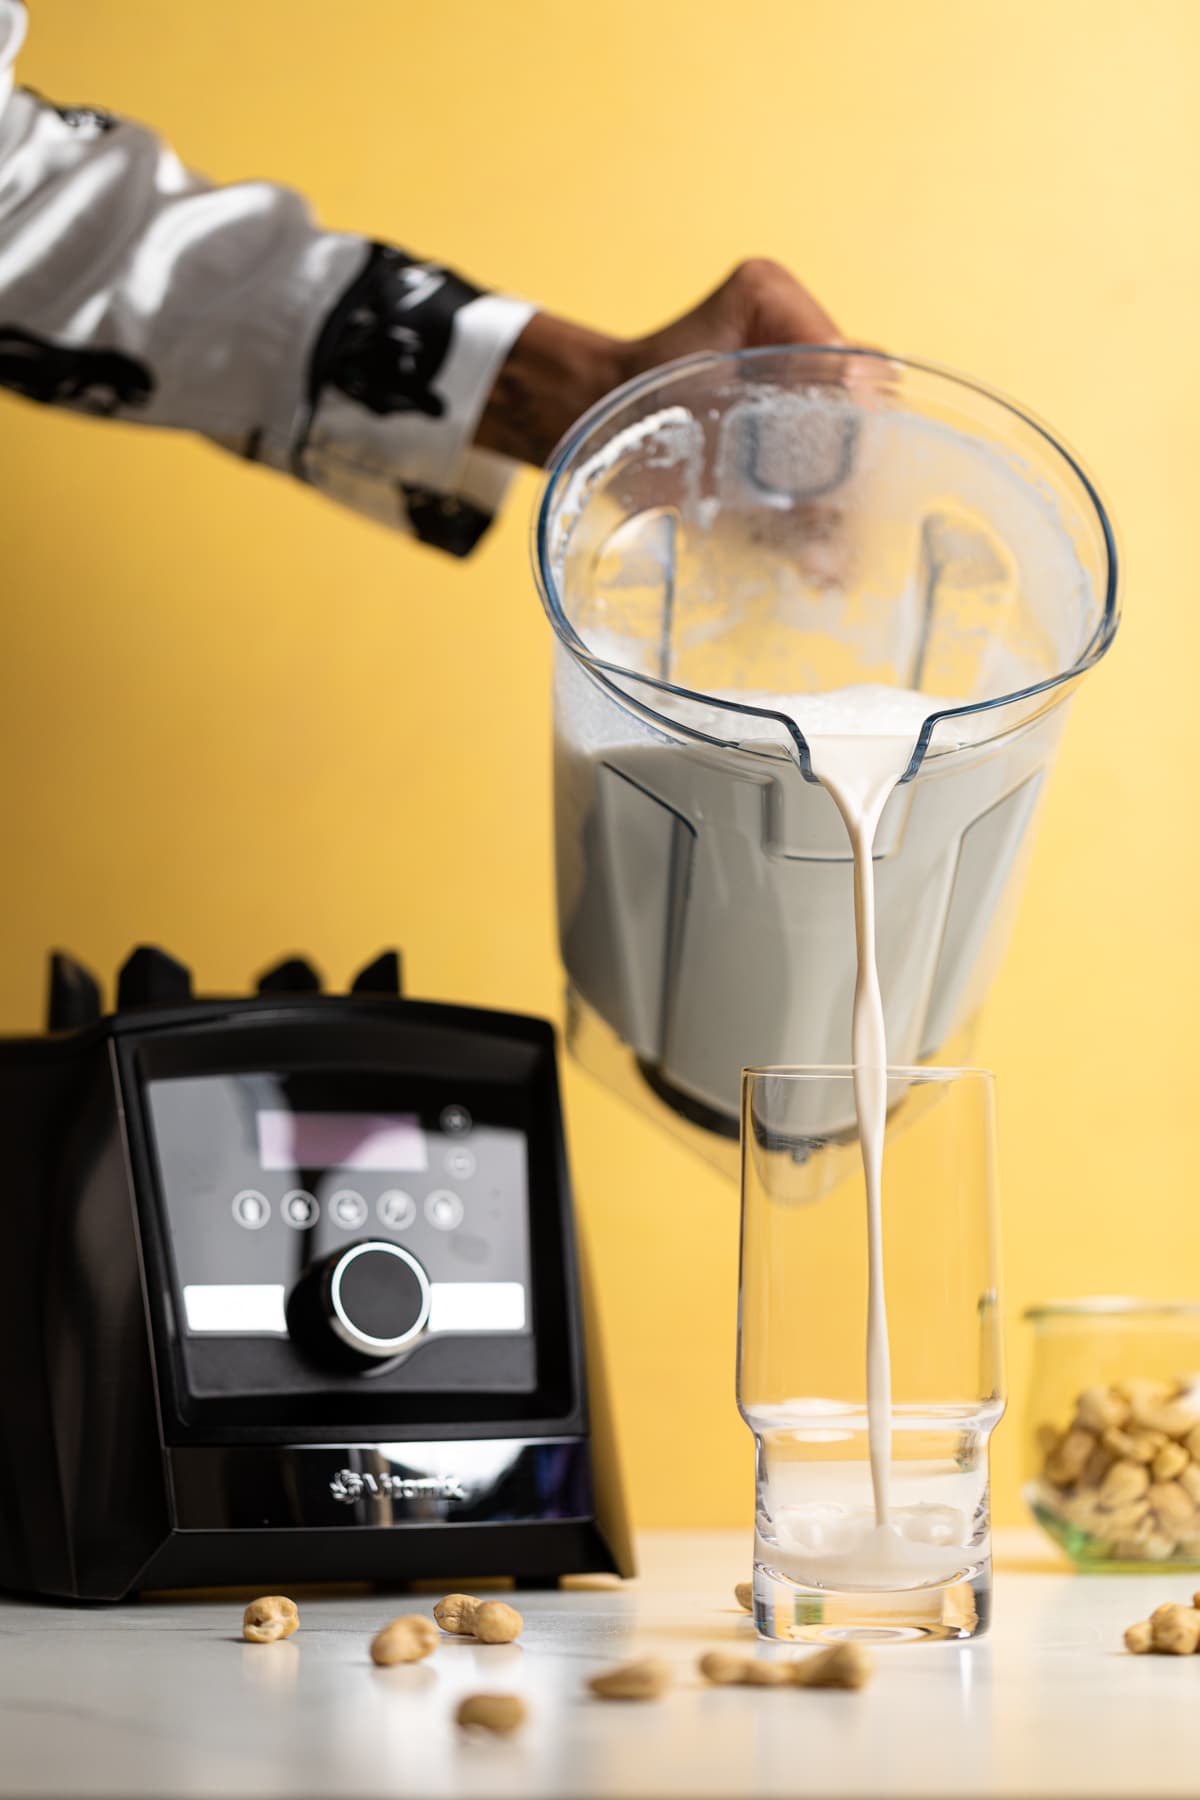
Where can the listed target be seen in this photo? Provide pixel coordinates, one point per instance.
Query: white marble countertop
(161, 1697)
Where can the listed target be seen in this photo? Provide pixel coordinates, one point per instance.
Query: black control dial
(362, 1306)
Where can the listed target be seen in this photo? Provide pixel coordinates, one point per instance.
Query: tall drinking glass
(836, 1554)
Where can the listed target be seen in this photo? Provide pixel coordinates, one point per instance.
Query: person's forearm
(554, 372)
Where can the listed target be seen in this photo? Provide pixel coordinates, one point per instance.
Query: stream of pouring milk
(861, 741)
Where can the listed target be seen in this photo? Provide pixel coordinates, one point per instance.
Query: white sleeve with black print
(133, 289)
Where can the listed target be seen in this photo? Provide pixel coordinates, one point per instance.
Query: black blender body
(292, 1293)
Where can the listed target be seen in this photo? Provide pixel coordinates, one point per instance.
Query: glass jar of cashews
(1113, 1438)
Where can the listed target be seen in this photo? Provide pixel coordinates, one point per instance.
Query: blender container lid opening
(565, 466)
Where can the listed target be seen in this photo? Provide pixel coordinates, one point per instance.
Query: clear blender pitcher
(718, 543)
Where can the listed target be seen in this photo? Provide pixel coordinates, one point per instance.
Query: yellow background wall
(237, 722)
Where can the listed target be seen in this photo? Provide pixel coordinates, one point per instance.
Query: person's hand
(556, 370)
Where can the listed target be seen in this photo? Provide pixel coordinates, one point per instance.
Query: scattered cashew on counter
(269, 1618)
(410, 1638)
(498, 1713)
(840, 1666)
(648, 1678)
(456, 1614)
(491, 1621)
(1171, 1630)
(726, 1669)
(496, 1623)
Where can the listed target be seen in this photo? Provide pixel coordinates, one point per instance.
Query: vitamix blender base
(291, 1293)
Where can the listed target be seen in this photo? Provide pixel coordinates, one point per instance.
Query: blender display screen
(341, 1140)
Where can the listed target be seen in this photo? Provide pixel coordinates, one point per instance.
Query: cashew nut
(496, 1623)
(456, 1614)
(1123, 1521)
(646, 1679)
(1171, 1461)
(1140, 1638)
(1067, 1463)
(1172, 1503)
(1097, 1466)
(743, 1593)
(407, 1639)
(500, 1713)
(841, 1666)
(1120, 1443)
(1142, 1393)
(1084, 1510)
(1175, 1629)
(1047, 1438)
(270, 1618)
(1098, 1408)
(727, 1670)
(491, 1621)
(722, 1667)
(1157, 1407)
(1124, 1482)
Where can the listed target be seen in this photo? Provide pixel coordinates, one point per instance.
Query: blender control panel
(267, 1179)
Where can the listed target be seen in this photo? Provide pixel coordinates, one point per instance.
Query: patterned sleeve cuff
(398, 376)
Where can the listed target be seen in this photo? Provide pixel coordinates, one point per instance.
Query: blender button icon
(460, 1162)
(443, 1209)
(349, 1209)
(299, 1209)
(251, 1209)
(397, 1209)
(455, 1121)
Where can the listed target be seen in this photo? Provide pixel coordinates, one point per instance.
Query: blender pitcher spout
(730, 551)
